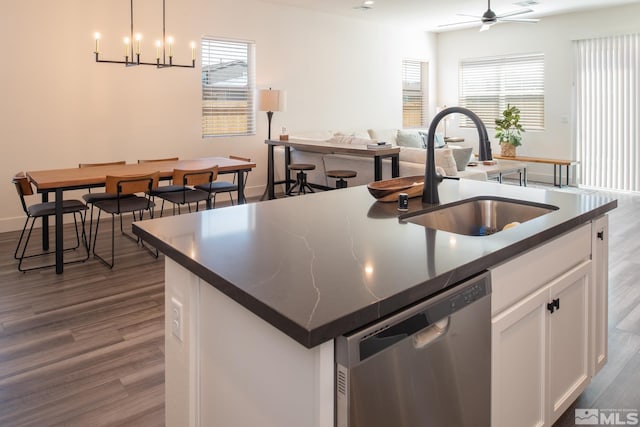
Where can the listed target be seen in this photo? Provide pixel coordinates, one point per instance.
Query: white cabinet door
(568, 338)
(599, 293)
(518, 367)
(540, 360)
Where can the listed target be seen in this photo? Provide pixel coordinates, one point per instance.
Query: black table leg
(287, 172)
(45, 225)
(567, 175)
(241, 199)
(59, 233)
(377, 168)
(560, 176)
(395, 166)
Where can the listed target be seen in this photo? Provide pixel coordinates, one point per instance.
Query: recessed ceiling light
(368, 2)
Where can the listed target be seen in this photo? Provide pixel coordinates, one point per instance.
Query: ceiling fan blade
(522, 20)
(470, 16)
(514, 13)
(459, 23)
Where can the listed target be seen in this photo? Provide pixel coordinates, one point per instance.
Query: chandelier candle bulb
(138, 38)
(126, 47)
(193, 51)
(97, 37)
(158, 45)
(170, 43)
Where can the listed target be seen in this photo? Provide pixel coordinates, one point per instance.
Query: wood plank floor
(85, 348)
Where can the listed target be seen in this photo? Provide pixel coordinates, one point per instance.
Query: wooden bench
(557, 165)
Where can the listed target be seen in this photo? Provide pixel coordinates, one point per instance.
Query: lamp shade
(269, 100)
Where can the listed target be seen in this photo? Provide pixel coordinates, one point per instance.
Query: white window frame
(414, 93)
(228, 87)
(487, 85)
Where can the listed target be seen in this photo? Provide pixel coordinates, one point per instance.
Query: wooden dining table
(58, 181)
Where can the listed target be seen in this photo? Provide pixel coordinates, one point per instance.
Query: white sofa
(412, 159)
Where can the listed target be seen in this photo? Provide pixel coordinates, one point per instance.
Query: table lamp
(269, 101)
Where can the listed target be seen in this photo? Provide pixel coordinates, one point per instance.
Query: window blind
(412, 94)
(488, 85)
(228, 83)
(607, 100)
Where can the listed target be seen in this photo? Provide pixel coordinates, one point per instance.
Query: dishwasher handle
(361, 344)
(425, 337)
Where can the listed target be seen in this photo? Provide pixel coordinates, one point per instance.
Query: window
(413, 93)
(487, 85)
(228, 81)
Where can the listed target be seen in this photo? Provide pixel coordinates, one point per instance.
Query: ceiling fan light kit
(489, 17)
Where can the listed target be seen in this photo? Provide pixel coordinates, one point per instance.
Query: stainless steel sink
(479, 216)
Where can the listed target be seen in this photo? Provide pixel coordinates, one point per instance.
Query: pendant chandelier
(132, 48)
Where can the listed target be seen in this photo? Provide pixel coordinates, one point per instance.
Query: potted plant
(509, 131)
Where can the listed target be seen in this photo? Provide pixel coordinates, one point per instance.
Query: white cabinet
(568, 338)
(540, 352)
(519, 363)
(599, 293)
(548, 328)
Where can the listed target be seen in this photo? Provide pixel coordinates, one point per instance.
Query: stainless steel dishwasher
(428, 365)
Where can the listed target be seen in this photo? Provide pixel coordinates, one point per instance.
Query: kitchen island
(256, 294)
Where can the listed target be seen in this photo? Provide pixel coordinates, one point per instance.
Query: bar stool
(340, 175)
(301, 186)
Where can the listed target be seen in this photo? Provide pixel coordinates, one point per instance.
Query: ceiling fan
(489, 18)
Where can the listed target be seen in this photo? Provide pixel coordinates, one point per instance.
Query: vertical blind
(412, 94)
(488, 85)
(607, 99)
(228, 83)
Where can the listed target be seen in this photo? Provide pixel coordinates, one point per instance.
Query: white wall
(59, 108)
(552, 36)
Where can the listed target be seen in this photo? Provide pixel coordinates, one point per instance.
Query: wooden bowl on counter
(388, 190)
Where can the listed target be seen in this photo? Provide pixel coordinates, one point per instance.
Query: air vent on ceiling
(527, 3)
(363, 7)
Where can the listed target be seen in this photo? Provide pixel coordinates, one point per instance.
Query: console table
(378, 154)
(557, 165)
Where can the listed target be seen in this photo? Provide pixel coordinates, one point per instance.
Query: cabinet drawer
(518, 277)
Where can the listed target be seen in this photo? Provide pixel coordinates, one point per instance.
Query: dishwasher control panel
(467, 296)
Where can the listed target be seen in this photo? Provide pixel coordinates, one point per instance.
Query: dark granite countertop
(324, 264)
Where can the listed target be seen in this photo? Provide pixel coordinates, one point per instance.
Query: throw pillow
(445, 160)
(409, 138)
(462, 156)
(438, 140)
(386, 135)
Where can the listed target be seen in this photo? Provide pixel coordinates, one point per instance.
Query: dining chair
(126, 188)
(42, 210)
(225, 186)
(161, 189)
(90, 198)
(189, 179)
